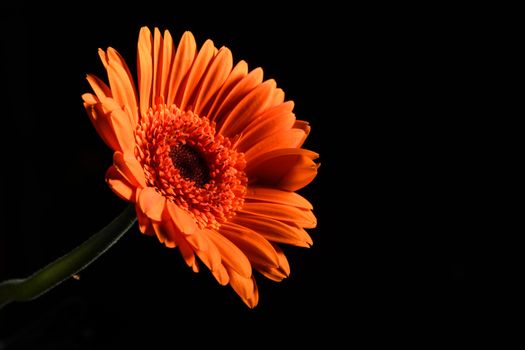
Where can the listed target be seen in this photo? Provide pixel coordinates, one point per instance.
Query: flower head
(209, 153)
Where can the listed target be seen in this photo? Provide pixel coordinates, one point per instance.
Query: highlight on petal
(210, 153)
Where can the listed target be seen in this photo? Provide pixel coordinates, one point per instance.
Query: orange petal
(214, 78)
(289, 169)
(101, 123)
(256, 247)
(182, 62)
(145, 69)
(129, 166)
(245, 287)
(248, 109)
(121, 84)
(301, 124)
(231, 255)
(119, 121)
(89, 100)
(181, 218)
(277, 118)
(145, 225)
(159, 232)
(164, 69)
(284, 266)
(98, 86)
(273, 274)
(237, 74)
(237, 93)
(282, 139)
(157, 63)
(103, 57)
(198, 241)
(268, 194)
(120, 185)
(274, 230)
(279, 273)
(152, 203)
(210, 256)
(188, 255)
(286, 213)
(186, 250)
(278, 97)
(197, 71)
(221, 275)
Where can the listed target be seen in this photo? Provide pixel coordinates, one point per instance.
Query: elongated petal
(145, 69)
(237, 74)
(197, 71)
(273, 195)
(120, 185)
(279, 273)
(122, 86)
(245, 287)
(130, 168)
(98, 86)
(101, 123)
(182, 63)
(165, 68)
(119, 122)
(248, 109)
(288, 214)
(181, 218)
(237, 93)
(152, 203)
(145, 225)
(288, 169)
(230, 254)
(188, 254)
(305, 126)
(218, 71)
(157, 64)
(256, 247)
(277, 118)
(274, 231)
(210, 256)
(281, 139)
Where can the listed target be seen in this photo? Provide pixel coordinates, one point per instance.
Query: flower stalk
(25, 289)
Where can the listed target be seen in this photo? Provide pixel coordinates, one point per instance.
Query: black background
(383, 258)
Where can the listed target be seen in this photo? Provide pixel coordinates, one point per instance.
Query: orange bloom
(209, 153)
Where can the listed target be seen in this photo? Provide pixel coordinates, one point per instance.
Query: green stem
(29, 288)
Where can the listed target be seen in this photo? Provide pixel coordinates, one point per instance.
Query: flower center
(192, 166)
(187, 162)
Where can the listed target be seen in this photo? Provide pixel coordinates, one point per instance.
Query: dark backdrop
(364, 273)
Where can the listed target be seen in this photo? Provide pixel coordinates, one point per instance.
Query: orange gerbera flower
(209, 153)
